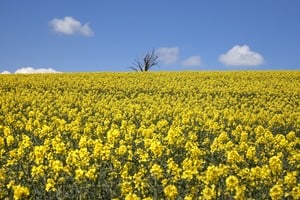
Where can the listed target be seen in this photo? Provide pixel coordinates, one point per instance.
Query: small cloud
(70, 26)
(5, 72)
(192, 61)
(168, 55)
(241, 56)
(30, 70)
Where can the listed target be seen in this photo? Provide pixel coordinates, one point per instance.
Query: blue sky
(107, 35)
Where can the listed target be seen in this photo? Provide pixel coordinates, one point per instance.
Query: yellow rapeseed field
(156, 135)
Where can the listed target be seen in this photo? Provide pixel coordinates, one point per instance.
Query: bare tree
(148, 61)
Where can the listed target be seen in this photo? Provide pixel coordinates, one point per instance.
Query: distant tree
(148, 61)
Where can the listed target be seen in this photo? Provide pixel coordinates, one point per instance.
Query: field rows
(157, 135)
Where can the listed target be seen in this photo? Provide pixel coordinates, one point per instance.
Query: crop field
(154, 135)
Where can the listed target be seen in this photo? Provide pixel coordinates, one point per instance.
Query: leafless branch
(148, 61)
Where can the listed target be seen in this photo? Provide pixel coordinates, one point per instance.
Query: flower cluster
(157, 135)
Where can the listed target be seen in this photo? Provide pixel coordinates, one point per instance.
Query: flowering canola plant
(157, 135)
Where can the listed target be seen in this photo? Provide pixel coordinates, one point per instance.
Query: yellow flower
(275, 164)
(126, 187)
(223, 137)
(79, 174)
(10, 140)
(113, 135)
(144, 157)
(138, 180)
(240, 192)
(233, 157)
(156, 171)
(39, 154)
(2, 175)
(231, 183)
(147, 133)
(132, 196)
(276, 192)
(244, 136)
(37, 171)
(174, 169)
(26, 142)
(2, 143)
(171, 191)
(28, 127)
(31, 113)
(189, 135)
(50, 185)
(295, 193)
(291, 136)
(291, 178)
(265, 172)
(20, 192)
(162, 124)
(57, 166)
(188, 197)
(98, 149)
(251, 153)
(212, 174)
(122, 150)
(259, 130)
(209, 193)
(83, 142)
(173, 137)
(91, 174)
(189, 169)
(7, 131)
(157, 148)
(79, 158)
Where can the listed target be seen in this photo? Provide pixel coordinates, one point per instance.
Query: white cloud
(192, 61)
(5, 72)
(168, 55)
(30, 70)
(241, 56)
(70, 26)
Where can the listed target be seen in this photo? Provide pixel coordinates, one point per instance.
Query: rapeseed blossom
(156, 171)
(50, 185)
(20, 192)
(158, 135)
(171, 191)
(231, 183)
(276, 192)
